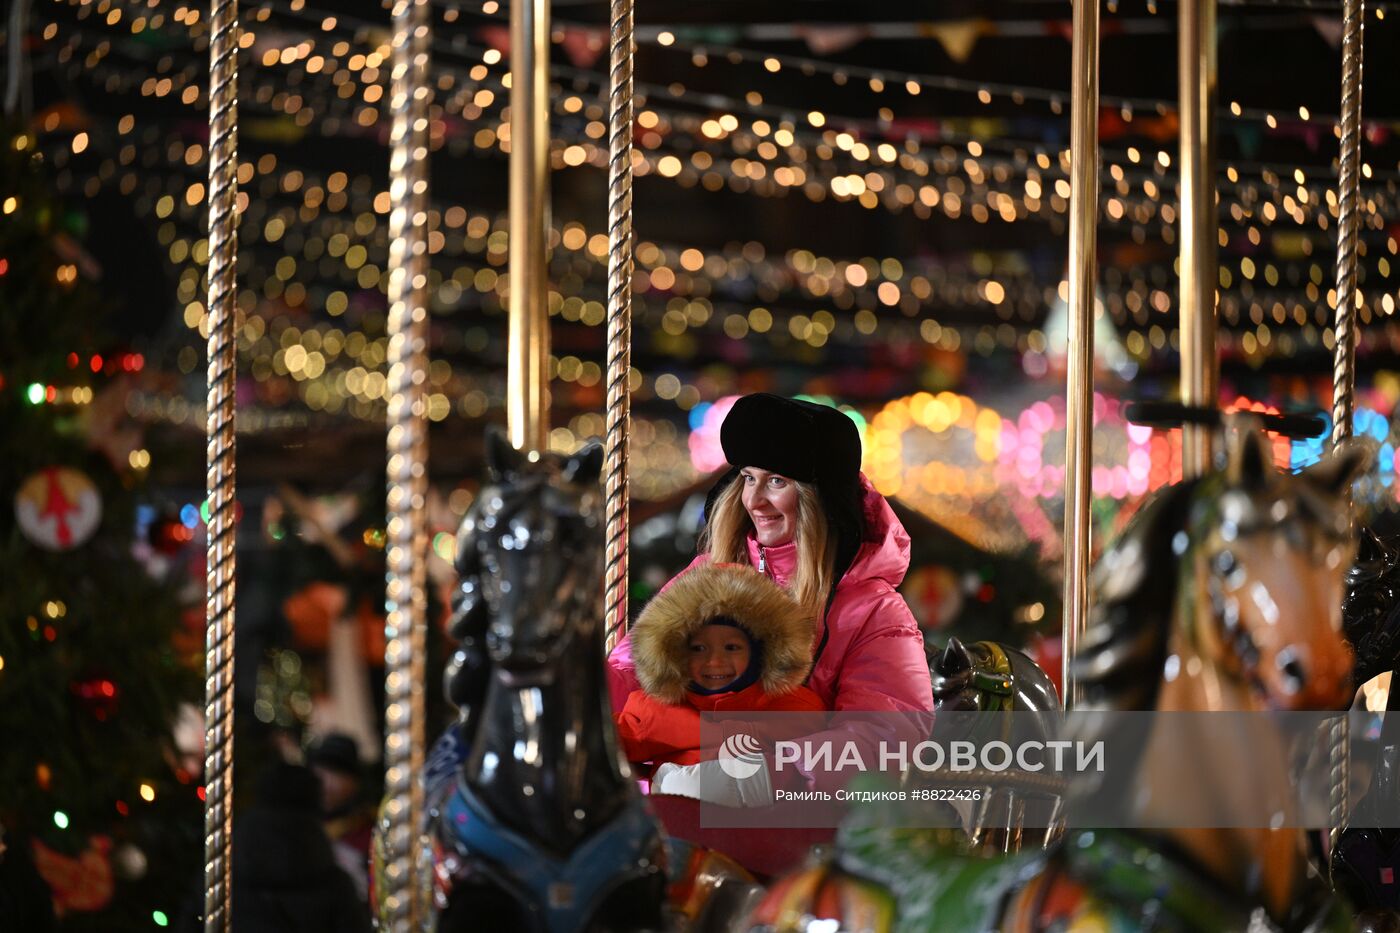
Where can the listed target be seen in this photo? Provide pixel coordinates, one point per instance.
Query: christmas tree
(94, 790)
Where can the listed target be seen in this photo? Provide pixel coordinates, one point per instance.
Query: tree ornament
(98, 695)
(78, 883)
(58, 508)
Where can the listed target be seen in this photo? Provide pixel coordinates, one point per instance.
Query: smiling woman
(796, 508)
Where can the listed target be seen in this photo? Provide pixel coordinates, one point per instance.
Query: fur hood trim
(661, 635)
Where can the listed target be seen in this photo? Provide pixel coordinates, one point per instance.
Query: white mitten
(707, 781)
(676, 780)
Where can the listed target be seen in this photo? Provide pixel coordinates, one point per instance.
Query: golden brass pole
(527, 387)
(1344, 358)
(1200, 366)
(1079, 404)
(619, 360)
(220, 466)
(406, 555)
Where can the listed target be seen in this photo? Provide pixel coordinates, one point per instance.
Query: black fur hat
(804, 441)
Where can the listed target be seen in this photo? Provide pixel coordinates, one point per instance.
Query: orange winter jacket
(655, 732)
(661, 721)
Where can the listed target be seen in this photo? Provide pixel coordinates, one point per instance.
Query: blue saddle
(561, 895)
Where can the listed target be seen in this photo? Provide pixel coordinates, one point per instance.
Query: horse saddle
(558, 894)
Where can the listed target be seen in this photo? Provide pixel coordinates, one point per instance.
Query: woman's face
(771, 501)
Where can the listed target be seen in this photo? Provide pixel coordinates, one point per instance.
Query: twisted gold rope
(619, 426)
(406, 602)
(1344, 353)
(220, 473)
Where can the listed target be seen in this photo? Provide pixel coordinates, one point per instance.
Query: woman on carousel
(796, 508)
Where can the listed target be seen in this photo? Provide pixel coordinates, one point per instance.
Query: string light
(982, 185)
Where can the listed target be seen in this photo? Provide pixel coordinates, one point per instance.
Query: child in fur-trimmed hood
(719, 638)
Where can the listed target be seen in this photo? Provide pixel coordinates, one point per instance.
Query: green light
(60, 819)
(160, 918)
(35, 393)
(443, 545)
(204, 511)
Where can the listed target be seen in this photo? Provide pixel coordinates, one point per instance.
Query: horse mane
(1119, 661)
(1370, 612)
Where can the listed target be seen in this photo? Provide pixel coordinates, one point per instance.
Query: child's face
(719, 654)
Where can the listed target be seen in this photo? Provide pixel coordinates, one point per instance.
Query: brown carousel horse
(1224, 593)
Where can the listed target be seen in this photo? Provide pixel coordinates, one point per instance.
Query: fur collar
(661, 636)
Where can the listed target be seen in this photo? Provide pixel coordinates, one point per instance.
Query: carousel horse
(1366, 862)
(1224, 593)
(536, 822)
(1371, 612)
(989, 677)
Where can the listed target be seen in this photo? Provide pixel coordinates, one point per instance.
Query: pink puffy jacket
(874, 656)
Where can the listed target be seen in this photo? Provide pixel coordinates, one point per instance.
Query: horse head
(1240, 572)
(529, 558)
(986, 675)
(1273, 551)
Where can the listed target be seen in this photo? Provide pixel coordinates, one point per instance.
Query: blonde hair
(728, 526)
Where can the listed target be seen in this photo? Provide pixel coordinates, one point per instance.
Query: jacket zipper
(762, 561)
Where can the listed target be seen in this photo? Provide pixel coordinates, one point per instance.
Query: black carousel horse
(1366, 862)
(1371, 612)
(536, 819)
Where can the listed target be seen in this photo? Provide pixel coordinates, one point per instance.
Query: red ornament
(98, 695)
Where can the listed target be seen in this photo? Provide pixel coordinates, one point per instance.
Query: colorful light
(705, 452)
(444, 545)
(35, 393)
(160, 918)
(60, 819)
(148, 793)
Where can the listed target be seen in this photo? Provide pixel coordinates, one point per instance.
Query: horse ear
(1348, 460)
(503, 460)
(955, 658)
(1250, 463)
(586, 466)
(1369, 548)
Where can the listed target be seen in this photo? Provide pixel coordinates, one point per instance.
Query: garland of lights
(737, 323)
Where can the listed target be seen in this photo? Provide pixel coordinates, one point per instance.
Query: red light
(96, 363)
(138, 362)
(72, 361)
(50, 394)
(50, 632)
(108, 688)
(199, 792)
(122, 808)
(4, 266)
